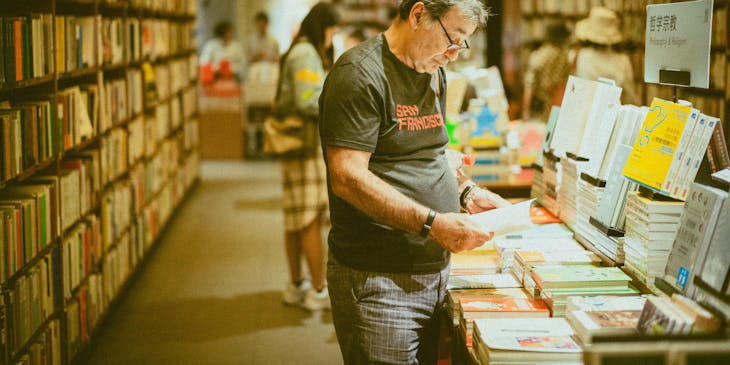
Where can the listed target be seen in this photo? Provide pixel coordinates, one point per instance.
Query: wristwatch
(427, 225)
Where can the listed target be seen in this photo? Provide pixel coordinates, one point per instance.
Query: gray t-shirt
(372, 102)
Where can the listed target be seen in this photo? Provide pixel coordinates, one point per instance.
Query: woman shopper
(304, 181)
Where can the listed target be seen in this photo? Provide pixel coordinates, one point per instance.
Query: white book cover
(528, 334)
(694, 158)
(680, 153)
(575, 110)
(697, 224)
(715, 269)
(600, 129)
(616, 187)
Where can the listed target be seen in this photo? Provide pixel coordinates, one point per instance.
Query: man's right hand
(456, 232)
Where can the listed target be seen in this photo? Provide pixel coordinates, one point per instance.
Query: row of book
(28, 303)
(25, 48)
(180, 7)
(28, 134)
(571, 7)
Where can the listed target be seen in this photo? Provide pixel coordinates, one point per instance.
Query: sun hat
(600, 27)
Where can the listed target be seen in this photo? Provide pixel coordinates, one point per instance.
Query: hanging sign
(678, 43)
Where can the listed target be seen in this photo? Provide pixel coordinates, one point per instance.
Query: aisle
(210, 295)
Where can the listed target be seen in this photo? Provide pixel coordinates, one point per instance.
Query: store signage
(678, 43)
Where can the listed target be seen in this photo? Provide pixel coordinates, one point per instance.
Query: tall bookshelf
(98, 104)
(632, 13)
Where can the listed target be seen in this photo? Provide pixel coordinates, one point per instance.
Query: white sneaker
(294, 295)
(315, 300)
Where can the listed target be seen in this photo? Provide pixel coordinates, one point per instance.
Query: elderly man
(394, 201)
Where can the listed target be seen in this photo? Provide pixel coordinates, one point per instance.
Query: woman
(223, 53)
(305, 190)
(548, 69)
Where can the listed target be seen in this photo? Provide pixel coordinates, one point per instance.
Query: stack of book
(491, 307)
(506, 247)
(525, 340)
(676, 316)
(454, 297)
(651, 227)
(525, 260)
(536, 190)
(551, 182)
(604, 315)
(571, 170)
(612, 247)
(555, 283)
(475, 262)
(589, 198)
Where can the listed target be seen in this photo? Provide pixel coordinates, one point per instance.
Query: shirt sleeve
(307, 76)
(351, 109)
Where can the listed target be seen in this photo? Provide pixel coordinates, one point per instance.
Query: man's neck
(398, 40)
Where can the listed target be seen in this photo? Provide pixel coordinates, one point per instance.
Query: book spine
(694, 163)
(680, 154)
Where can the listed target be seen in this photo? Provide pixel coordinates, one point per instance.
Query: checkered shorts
(305, 191)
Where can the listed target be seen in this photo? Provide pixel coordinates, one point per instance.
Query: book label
(682, 276)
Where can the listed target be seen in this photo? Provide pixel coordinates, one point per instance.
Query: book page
(506, 219)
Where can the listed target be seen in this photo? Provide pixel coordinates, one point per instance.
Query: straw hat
(600, 27)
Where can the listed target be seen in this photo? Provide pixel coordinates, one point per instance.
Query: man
(261, 45)
(394, 201)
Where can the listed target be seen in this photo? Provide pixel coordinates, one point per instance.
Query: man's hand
(456, 232)
(481, 200)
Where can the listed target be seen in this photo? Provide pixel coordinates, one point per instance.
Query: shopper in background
(305, 192)
(261, 46)
(547, 72)
(222, 54)
(394, 201)
(596, 57)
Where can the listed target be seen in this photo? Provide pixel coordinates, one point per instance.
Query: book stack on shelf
(96, 156)
(571, 168)
(651, 226)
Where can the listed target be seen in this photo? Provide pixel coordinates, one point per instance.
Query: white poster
(678, 39)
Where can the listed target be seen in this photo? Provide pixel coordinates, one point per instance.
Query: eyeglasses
(453, 46)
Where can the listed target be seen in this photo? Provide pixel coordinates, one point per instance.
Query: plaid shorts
(305, 191)
(386, 318)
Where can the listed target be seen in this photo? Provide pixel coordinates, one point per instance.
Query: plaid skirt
(305, 191)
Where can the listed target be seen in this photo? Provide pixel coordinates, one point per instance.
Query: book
(717, 265)
(475, 262)
(503, 308)
(717, 154)
(611, 209)
(702, 320)
(659, 317)
(691, 132)
(656, 145)
(577, 276)
(658, 352)
(525, 340)
(505, 280)
(540, 215)
(605, 303)
(689, 250)
(587, 325)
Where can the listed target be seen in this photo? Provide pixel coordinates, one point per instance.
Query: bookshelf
(714, 101)
(99, 117)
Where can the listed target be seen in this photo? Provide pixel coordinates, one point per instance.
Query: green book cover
(560, 276)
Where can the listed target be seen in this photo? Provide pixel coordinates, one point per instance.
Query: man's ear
(418, 11)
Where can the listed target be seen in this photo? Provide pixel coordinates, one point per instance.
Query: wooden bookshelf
(102, 150)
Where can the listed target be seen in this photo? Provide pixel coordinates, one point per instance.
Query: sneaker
(294, 295)
(315, 300)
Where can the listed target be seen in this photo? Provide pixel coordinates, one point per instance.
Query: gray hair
(472, 9)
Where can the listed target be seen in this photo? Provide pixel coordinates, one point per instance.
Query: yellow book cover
(656, 143)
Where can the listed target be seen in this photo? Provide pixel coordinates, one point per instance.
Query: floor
(209, 294)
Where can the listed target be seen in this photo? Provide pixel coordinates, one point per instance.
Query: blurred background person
(596, 56)
(305, 199)
(262, 46)
(547, 72)
(222, 54)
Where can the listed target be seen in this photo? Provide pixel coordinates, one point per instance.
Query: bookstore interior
(107, 112)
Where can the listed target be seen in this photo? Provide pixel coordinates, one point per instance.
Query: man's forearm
(367, 192)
